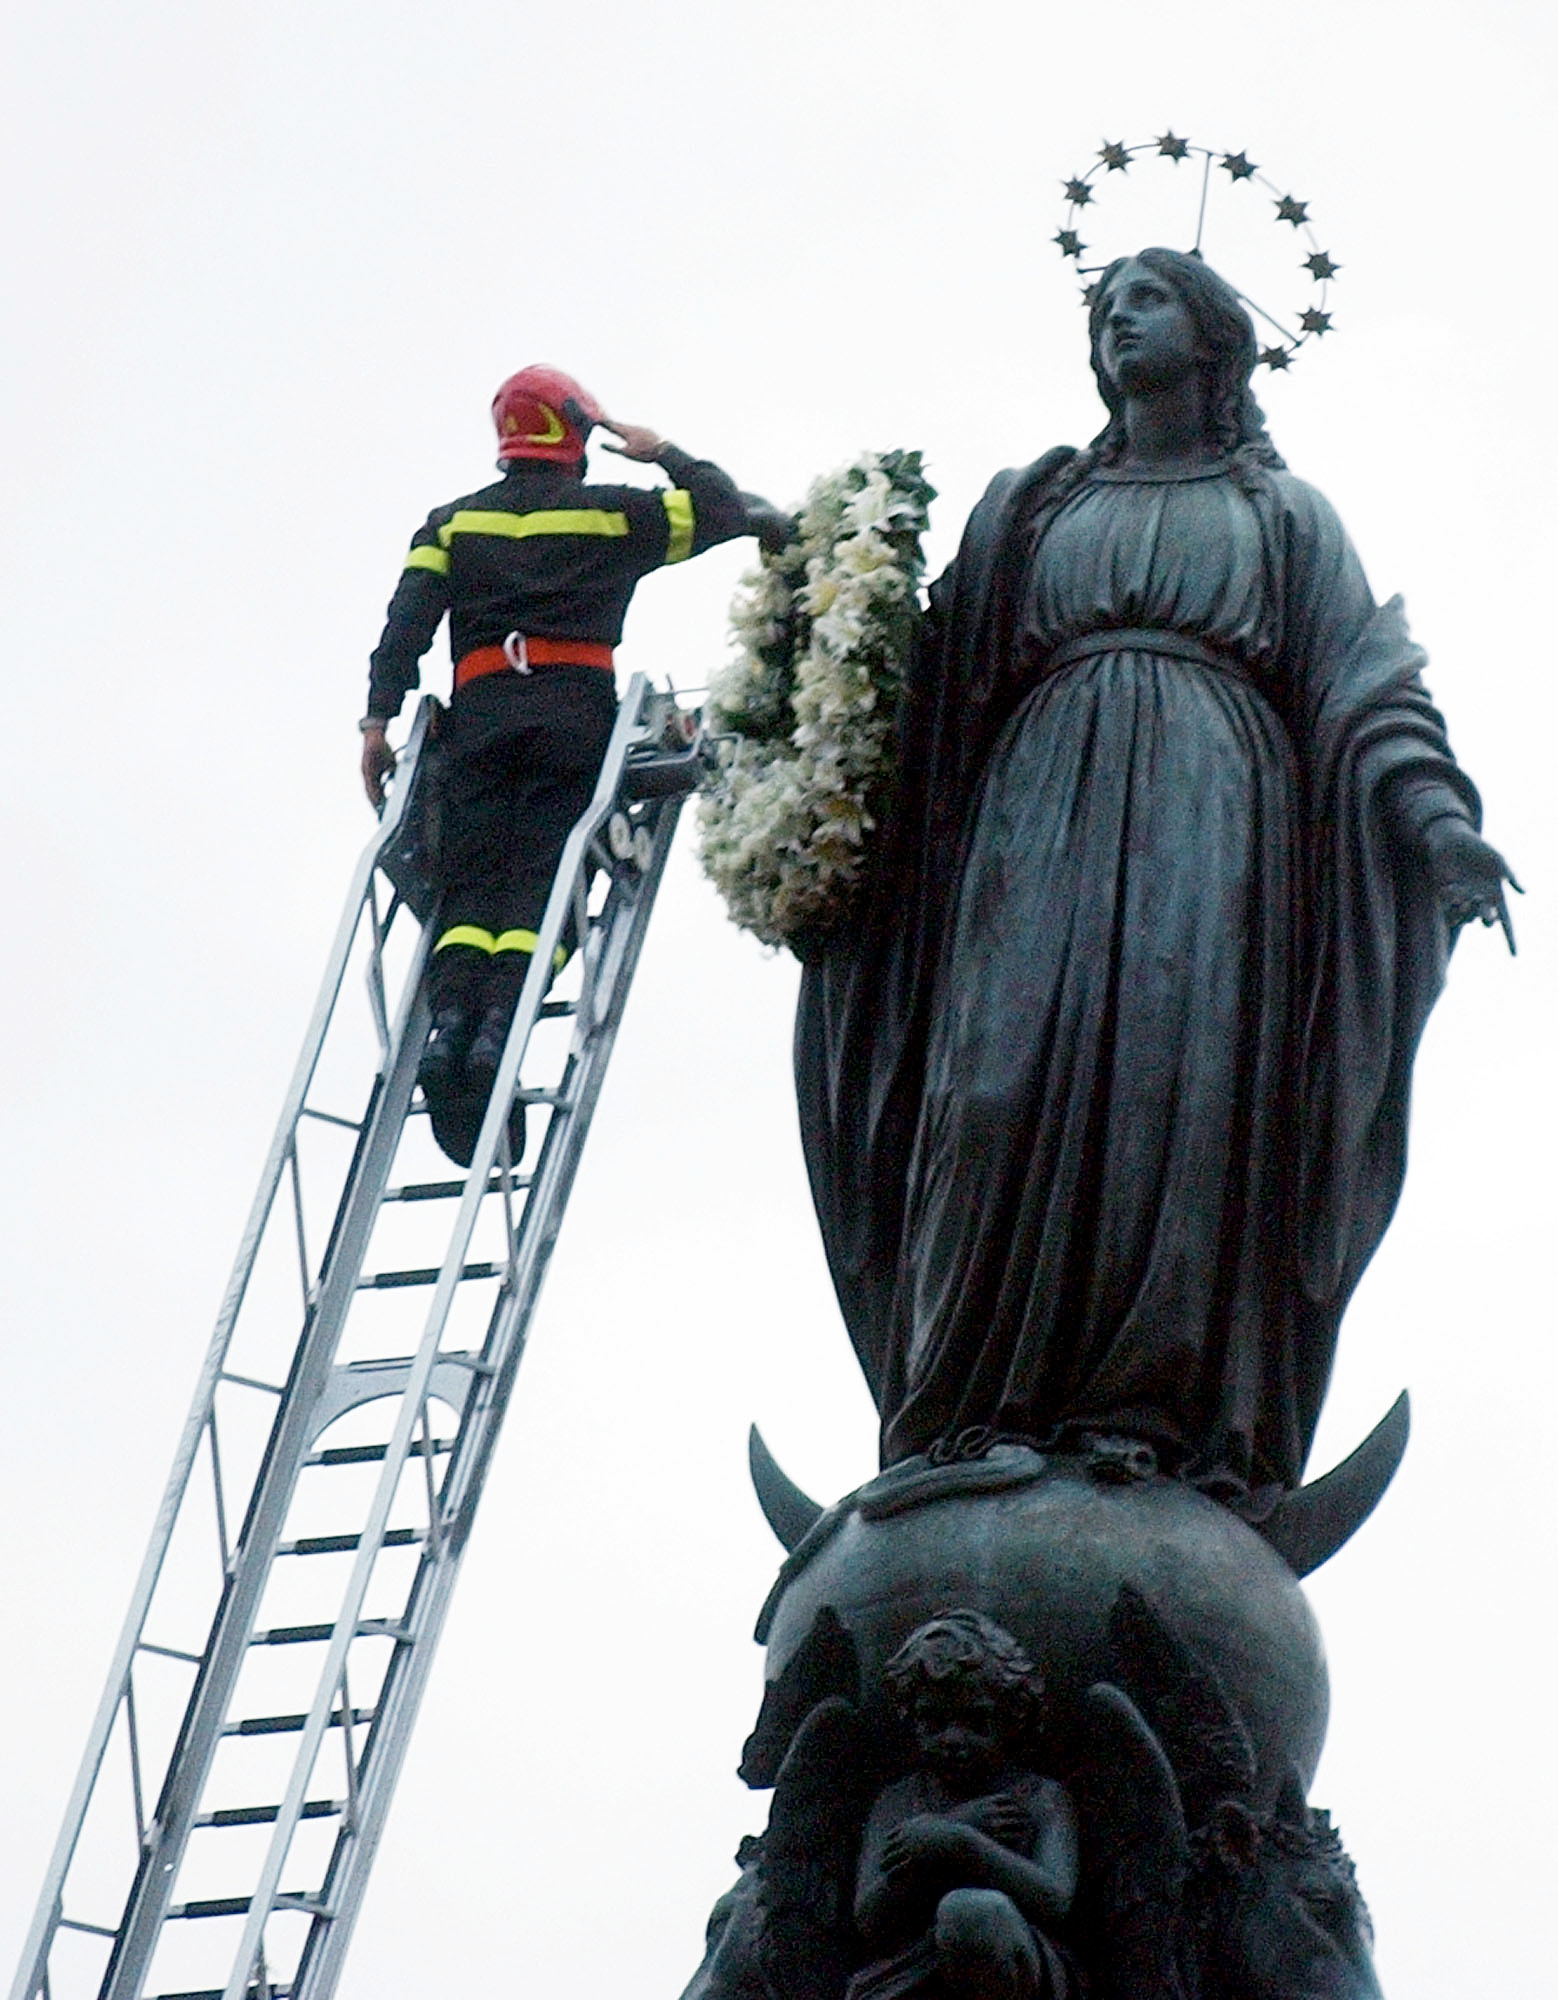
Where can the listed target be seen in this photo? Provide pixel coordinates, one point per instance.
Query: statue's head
(1220, 336)
(969, 1693)
(1278, 1911)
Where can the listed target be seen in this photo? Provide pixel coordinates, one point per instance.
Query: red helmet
(543, 413)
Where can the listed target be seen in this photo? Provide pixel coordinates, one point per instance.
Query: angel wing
(1135, 1850)
(824, 1664)
(1206, 1743)
(810, 1853)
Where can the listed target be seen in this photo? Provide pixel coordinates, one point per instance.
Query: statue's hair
(1317, 1840)
(967, 1646)
(1214, 1882)
(1225, 336)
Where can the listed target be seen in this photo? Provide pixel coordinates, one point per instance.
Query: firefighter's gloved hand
(774, 529)
(638, 441)
(378, 760)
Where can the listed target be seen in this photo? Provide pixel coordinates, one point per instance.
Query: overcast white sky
(267, 264)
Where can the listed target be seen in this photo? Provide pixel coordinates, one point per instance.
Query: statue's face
(959, 1730)
(1296, 1929)
(1149, 339)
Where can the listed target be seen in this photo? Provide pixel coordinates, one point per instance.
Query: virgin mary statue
(1104, 1095)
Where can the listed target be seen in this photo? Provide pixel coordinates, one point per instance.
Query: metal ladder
(241, 1764)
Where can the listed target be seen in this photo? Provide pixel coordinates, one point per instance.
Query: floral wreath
(804, 714)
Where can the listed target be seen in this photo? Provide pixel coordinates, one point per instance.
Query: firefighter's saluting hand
(638, 442)
(535, 572)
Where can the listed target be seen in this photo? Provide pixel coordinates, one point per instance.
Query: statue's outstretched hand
(1470, 876)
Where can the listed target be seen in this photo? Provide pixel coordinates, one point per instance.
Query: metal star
(1173, 148)
(1289, 210)
(1315, 321)
(1238, 166)
(1071, 245)
(1320, 265)
(1276, 357)
(1114, 156)
(1078, 193)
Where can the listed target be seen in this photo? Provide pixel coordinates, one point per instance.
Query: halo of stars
(1116, 157)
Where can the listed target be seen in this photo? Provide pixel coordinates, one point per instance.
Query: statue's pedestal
(1037, 1725)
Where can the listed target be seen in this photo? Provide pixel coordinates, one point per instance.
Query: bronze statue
(969, 1861)
(1104, 1095)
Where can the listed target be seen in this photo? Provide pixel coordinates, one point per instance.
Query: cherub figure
(970, 1861)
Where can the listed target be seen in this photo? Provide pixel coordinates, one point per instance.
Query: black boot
(481, 1068)
(445, 1054)
(486, 1051)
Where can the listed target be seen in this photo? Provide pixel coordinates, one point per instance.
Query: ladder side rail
(400, 1698)
(254, 1555)
(358, 897)
(626, 731)
(556, 1171)
(32, 1973)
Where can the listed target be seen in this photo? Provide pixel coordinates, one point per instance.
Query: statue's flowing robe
(1104, 1088)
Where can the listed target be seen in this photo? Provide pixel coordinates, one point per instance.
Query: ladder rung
(451, 1190)
(266, 1815)
(541, 1096)
(291, 1725)
(308, 1635)
(389, 1281)
(237, 1906)
(372, 1454)
(557, 1010)
(330, 1118)
(250, 1382)
(92, 1930)
(334, 1545)
(217, 1993)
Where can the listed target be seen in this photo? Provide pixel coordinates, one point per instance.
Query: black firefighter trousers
(520, 754)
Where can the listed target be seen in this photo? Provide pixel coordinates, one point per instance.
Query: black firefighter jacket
(540, 553)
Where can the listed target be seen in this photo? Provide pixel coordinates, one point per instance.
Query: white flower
(872, 506)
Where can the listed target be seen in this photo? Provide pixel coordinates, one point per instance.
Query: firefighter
(535, 572)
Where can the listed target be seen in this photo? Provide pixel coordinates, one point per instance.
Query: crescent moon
(787, 1510)
(1312, 1523)
(1306, 1528)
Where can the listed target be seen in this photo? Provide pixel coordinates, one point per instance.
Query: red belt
(535, 653)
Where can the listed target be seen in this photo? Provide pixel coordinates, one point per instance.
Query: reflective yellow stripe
(554, 432)
(434, 559)
(527, 941)
(678, 514)
(557, 521)
(469, 934)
